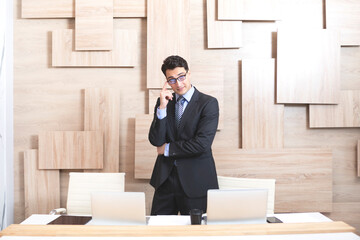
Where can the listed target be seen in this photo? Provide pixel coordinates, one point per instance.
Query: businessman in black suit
(183, 130)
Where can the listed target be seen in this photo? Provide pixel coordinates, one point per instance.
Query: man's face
(180, 87)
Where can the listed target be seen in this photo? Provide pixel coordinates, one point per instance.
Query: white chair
(238, 183)
(82, 184)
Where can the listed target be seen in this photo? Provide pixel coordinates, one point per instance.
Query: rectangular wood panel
(66, 8)
(93, 25)
(303, 176)
(258, 10)
(262, 119)
(42, 187)
(206, 79)
(344, 114)
(168, 34)
(344, 16)
(358, 158)
(102, 113)
(221, 34)
(308, 66)
(124, 53)
(71, 150)
(145, 153)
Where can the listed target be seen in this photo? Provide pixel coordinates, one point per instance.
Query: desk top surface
(294, 226)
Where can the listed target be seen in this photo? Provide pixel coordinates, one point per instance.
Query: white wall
(6, 114)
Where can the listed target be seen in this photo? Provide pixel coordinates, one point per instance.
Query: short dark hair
(172, 62)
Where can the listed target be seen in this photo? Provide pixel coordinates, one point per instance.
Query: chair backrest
(82, 184)
(238, 183)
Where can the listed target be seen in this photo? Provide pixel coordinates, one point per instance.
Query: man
(183, 130)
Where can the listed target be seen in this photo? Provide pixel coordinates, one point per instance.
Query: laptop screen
(118, 208)
(237, 206)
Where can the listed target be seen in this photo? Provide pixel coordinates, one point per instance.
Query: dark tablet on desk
(71, 220)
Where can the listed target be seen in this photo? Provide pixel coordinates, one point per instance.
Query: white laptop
(237, 206)
(118, 208)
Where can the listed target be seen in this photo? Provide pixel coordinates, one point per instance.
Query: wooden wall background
(52, 99)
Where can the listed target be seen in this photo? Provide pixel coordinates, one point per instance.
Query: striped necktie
(179, 109)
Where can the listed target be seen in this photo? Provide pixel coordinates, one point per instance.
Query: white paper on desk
(166, 220)
(302, 217)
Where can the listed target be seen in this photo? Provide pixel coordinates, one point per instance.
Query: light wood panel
(102, 113)
(308, 66)
(344, 15)
(124, 53)
(145, 153)
(221, 34)
(94, 25)
(208, 80)
(176, 231)
(302, 13)
(66, 8)
(71, 150)
(258, 10)
(358, 158)
(262, 119)
(350, 68)
(42, 187)
(130, 8)
(344, 114)
(168, 34)
(303, 176)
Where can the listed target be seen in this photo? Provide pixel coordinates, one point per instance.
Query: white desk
(184, 220)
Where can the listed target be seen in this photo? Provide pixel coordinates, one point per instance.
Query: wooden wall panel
(42, 187)
(303, 176)
(66, 8)
(221, 34)
(262, 119)
(130, 8)
(102, 113)
(344, 15)
(167, 34)
(350, 68)
(145, 153)
(302, 13)
(124, 53)
(266, 10)
(358, 158)
(344, 114)
(308, 66)
(207, 79)
(71, 150)
(94, 25)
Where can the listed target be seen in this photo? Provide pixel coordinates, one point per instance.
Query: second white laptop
(236, 206)
(118, 208)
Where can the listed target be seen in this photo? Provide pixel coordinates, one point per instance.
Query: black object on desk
(71, 220)
(273, 220)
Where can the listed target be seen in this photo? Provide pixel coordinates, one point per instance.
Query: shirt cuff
(161, 113)
(166, 151)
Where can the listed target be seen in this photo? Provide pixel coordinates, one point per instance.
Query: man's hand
(165, 96)
(161, 149)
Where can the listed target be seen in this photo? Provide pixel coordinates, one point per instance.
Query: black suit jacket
(190, 144)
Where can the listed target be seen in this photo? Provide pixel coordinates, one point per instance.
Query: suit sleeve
(204, 136)
(157, 132)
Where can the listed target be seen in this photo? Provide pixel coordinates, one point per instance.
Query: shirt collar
(188, 95)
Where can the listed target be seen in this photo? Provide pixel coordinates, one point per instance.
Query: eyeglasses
(174, 80)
